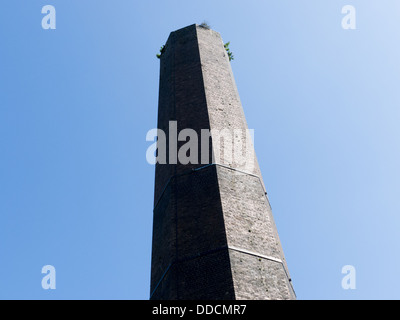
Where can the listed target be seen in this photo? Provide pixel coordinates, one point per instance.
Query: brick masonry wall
(247, 214)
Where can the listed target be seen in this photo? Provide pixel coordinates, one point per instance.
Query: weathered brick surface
(181, 96)
(213, 233)
(249, 226)
(189, 240)
(259, 279)
(247, 219)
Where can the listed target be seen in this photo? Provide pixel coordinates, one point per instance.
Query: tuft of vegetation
(230, 54)
(205, 25)
(162, 50)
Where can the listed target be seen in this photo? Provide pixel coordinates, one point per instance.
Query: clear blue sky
(76, 103)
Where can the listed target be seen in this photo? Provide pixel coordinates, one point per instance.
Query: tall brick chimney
(214, 236)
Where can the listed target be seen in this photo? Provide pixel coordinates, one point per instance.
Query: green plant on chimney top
(162, 50)
(205, 25)
(230, 54)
